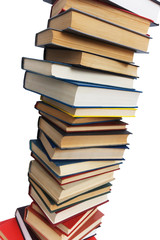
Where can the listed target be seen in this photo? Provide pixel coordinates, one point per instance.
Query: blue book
(93, 153)
(82, 139)
(78, 94)
(62, 193)
(53, 206)
(68, 167)
(70, 72)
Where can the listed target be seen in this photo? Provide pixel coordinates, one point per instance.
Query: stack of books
(86, 83)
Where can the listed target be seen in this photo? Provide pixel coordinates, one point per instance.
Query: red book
(5, 221)
(9, 230)
(38, 222)
(92, 238)
(69, 227)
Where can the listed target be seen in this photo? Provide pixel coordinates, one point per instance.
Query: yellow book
(90, 112)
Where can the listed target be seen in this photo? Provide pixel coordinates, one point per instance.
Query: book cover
(33, 218)
(27, 232)
(43, 107)
(148, 9)
(60, 167)
(94, 153)
(84, 96)
(52, 206)
(62, 70)
(9, 230)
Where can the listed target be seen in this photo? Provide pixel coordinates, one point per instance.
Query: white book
(146, 8)
(69, 72)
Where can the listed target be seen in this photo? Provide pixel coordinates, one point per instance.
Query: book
(103, 126)
(105, 11)
(149, 9)
(57, 217)
(69, 167)
(54, 38)
(69, 72)
(80, 94)
(81, 23)
(72, 225)
(27, 232)
(9, 230)
(35, 189)
(4, 221)
(92, 234)
(80, 114)
(43, 107)
(82, 139)
(77, 176)
(62, 193)
(81, 153)
(92, 238)
(50, 1)
(67, 227)
(38, 222)
(91, 61)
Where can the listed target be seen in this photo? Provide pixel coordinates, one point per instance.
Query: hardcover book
(69, 167)
(70, 72)
(62, 180)
(82, 139)
(80, 94)
(9, 230)
(86, 112)
(105, 11)
(107, 64)
(35, 220)
(27, 232)
(149, 9)
(52, 206)
(103, 126)
(54, 38)
(62, 193)
(97, 153)
(43, 107)
(84, 24)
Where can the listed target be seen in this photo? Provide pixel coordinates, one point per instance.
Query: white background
(134, 208)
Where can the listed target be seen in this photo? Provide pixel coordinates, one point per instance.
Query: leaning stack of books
(86, 83)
